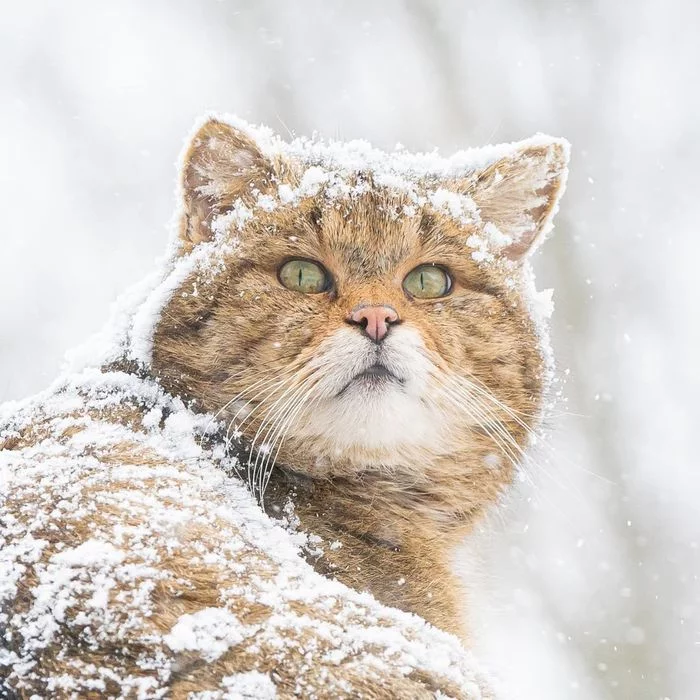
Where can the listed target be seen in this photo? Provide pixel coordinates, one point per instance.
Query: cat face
(351, 322)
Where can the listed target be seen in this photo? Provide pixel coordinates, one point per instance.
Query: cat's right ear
(221, 164)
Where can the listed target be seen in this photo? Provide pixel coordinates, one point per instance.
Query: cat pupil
(300, 274)
(422, 286)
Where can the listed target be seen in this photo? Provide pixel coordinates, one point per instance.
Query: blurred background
(586, 584)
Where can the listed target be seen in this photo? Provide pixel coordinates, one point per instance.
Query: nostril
(374, 320)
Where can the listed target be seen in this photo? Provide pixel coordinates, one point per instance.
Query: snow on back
(210, 632)
(141, 512)
(249, 685)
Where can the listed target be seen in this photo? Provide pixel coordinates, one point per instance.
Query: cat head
(348, 309)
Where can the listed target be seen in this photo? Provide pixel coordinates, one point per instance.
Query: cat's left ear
(519, 193)
(221, 164)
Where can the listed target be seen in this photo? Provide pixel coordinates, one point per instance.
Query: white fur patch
(382, 415)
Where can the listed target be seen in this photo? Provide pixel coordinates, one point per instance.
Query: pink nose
(374, 319)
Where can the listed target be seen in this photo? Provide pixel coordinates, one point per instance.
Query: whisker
(284, 429)
(237, 396)
(519, 457)
(268, 388)
(535, 438)
(282, 419)
(491, 426)
(270, 416)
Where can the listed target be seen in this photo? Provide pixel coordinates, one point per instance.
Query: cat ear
(519, 194)
(221, 164)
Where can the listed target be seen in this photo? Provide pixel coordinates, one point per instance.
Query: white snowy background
(588, 582)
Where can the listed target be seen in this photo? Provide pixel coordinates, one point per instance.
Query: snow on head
(329, 171)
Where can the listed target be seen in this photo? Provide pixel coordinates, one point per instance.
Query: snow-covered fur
(134, 561)
(131, 565)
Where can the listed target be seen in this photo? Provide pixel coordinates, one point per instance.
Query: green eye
(304, 276)
(427, 282)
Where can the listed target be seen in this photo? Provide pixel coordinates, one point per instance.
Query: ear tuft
(221, 164)
(519, 194)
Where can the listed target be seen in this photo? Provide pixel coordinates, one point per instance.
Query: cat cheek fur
(351, 418)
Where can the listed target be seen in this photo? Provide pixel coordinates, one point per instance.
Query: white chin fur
(374, 415)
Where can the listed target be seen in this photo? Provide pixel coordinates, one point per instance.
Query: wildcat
(357, 329)
(397, 375)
